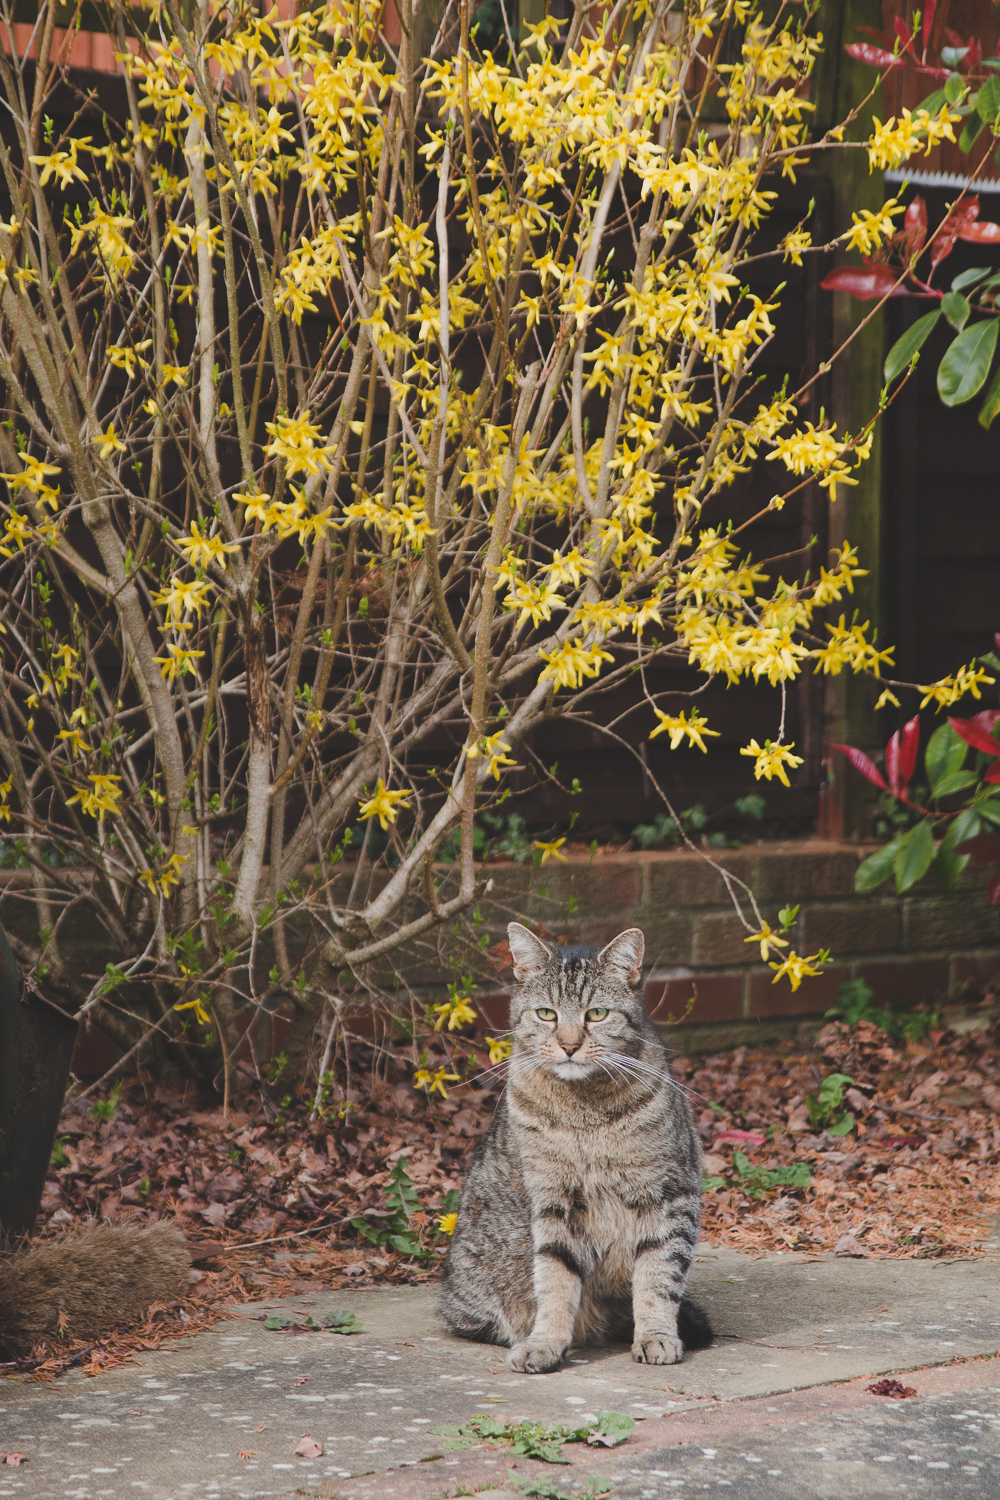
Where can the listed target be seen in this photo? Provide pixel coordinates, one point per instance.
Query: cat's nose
(570, 1047)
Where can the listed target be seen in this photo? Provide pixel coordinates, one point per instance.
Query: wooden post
(856, 383)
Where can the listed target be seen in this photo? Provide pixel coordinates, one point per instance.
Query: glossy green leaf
(966, 364)
(989, 808)
(971, 131)
(990, 408)
(947, 863)
(877, 867)
(955, 781)
(956, 309)
(933, 102)
(970, 277)
(954, 87)
(945, 754)
(987, 100)
(909, 344)
(913, 857)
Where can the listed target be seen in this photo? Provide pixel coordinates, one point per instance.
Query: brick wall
(927, 945)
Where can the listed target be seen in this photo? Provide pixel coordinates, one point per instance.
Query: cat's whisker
(495, 1070)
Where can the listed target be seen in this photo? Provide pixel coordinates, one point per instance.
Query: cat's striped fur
(579, 1216)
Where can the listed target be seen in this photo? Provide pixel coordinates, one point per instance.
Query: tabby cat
(579, 1216)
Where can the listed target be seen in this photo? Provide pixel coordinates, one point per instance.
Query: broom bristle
(104, 1276)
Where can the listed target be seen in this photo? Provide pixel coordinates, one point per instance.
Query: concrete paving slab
(219, 1417)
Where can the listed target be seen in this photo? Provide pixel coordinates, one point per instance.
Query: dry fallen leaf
(309, 1448)
(14, 1459)
(248, 1453)
(890, 1387)
(849, 1244)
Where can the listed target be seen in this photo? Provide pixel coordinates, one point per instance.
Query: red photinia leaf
(902, 31)
(958, 221)
(974, 56)
(901, 755)
(993, 890)
(909, 744)
(863, 763)
(863, 282)
(996, 639)
(983, 233)
(892, 766)
(929, 10)
(915, 224)
(984, 849)
(865, 52)
(993, 774)
(977, 735)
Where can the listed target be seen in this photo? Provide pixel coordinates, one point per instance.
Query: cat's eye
(596, 1013)
(545, 1013)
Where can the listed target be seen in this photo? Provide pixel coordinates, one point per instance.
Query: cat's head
(576, 1008)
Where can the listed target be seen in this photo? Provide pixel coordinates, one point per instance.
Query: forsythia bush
(366, 410)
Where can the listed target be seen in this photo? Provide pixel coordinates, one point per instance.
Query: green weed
(105, 1109)
(536, 1439)
(758, 1181)
(898, 1019)
(394, 1232)
(338, 1322)
(823, 1106)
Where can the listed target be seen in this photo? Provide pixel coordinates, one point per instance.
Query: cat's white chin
(571, 1071)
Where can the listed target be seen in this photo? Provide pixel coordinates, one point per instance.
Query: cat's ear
(623, 955)
(529, 953)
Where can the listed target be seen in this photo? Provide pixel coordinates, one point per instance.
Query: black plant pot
(36, 1049)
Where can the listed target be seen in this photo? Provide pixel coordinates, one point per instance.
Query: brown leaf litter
(266, 1203)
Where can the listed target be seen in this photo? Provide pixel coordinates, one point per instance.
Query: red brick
(813, 997)
(668, 940)
(974, 968)
(676, 882)
(717, 997)
(795, 872)
(600, 885)
(719, 939)
(914, 979)
(950, 922)
(870, 926)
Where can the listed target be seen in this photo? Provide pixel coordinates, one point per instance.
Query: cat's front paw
(535, 1359)
(658, 1349)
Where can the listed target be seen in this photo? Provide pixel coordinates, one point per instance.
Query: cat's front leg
(558, 1275)
(662, 1261)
